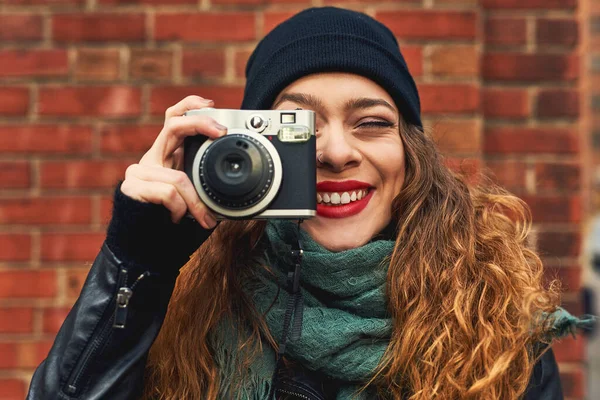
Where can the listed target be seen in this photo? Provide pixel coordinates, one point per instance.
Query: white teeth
(345, 198)
(341, 198)
(335, 198)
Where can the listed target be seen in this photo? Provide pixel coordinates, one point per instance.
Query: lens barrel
(236, 171)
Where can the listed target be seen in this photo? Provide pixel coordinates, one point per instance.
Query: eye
(376, 124)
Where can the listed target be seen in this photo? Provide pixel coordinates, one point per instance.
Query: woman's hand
(159, 178)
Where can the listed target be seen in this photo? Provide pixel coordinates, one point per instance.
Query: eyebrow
(367, 102)
(304, 99)
(313, 102)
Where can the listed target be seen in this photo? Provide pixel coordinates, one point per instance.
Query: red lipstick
(343, 210)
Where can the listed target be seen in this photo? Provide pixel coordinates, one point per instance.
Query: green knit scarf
(345, 328)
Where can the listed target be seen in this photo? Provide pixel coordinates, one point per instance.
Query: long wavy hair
(464, 290)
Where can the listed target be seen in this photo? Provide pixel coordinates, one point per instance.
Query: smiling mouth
(341, 198)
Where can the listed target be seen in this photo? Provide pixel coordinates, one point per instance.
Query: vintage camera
(263, 168)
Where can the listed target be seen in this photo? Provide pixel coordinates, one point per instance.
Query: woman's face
(362, 167)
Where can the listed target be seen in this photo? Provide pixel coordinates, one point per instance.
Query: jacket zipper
(73, 388)
(298, 395)
(123, 296)
(116, 320)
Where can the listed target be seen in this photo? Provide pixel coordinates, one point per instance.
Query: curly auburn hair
(464, 290)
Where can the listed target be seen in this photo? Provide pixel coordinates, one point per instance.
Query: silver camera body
(265, 167)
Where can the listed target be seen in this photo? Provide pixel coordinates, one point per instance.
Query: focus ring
(244, 203)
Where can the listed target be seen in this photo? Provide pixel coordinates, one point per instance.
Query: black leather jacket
(100, 351)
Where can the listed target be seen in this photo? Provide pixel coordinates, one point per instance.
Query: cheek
(390, 163)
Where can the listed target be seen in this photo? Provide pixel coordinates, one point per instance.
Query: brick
(149, 2)
(12, 389)
(44, 211)
(458, 136)
(106, 101)
(530, 67)
(523, 140)
(82, 174)
(563, 177)
(20, 27)
(9, 355)
(413, 55)
(557, 32)
(263, 2)
(469, 168)
(14, 101)
(128, 139)
(559, 244)
(208, 63)
(43, 2)
(570, 349)
(151, 64)
(554, 209)
(509, 174)
(568, 276)
(23, 354)
(33, 63)
(556, 103)
(505, 103)
(16, 319)
(573, 383)
(59, 246)
(15, 247)
(201, 27)
(75, 279)
(163, 97)
(425, 24)
(240, 60)
(456, 61)
(449, 98)
(529, 4)
(27, 284)
(46, 139)
(53, 319)
(505, 31)
(273, 18)
(456, 2)
(97, 65)
(103, 27)
(15, 174)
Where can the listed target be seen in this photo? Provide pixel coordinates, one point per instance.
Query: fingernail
(207, 101)
(210, 220)
(220, 127)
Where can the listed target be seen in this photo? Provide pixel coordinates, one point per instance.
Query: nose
(336, 148)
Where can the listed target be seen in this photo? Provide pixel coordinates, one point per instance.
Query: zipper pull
(122, 302)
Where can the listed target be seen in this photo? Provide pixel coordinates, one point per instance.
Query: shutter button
(256, 123)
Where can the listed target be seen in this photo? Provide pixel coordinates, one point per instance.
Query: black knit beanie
(329, 39)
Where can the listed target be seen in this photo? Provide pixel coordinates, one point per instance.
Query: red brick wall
(84, 83)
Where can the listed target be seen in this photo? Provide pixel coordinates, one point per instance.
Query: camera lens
(236, 171)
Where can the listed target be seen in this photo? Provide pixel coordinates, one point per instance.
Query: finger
(157, 193)
(184, 187)
(176, 129)
(187, 104)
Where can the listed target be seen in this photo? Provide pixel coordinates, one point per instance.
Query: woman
(414, 284)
